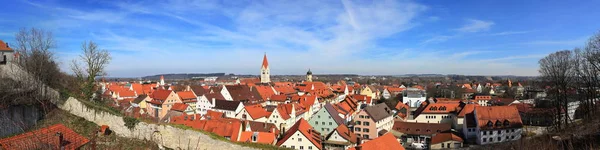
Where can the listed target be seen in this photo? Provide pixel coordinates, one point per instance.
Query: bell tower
(265, 72)
(309, 75)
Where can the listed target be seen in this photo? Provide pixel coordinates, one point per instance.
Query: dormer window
(506, 122)
(490, 124)
(498, 123)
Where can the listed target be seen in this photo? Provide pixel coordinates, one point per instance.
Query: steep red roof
(421, 128)
(261, 137)
(365, 98)
(187, 96)
(265, 91)
(302, 125)
(161, 94)
(138, 88)
(443, 137)
(285, 110)
(347, 106)
(45, 138)
(345, 133)
(179, 107)
(385, 142)
(265, 63)
(279, 98)
(468, 108)
(4, 46)
(284, 89)
(441, 108)
(210, 114)
(126, 93)
(256, 111)
(498, 117)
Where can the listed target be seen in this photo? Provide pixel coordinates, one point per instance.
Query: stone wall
(167, 136)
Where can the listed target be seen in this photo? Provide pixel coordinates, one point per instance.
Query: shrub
(130, 122)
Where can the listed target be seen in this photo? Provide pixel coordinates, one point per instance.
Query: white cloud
(510, 33)
(474, 25)
(438, 39)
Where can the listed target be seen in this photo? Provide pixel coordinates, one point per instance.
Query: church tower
(309, 76)
(162, 80)
(265, 76)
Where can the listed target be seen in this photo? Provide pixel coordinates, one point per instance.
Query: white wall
(294, 141)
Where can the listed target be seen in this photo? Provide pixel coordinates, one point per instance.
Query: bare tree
(591, 55)
(559, 69)
(94, 61)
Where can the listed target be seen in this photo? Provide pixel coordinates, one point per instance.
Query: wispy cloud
(474, 25)
(567, 42)
(438, 39)
(510, 33)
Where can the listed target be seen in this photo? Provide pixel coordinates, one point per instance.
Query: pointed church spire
(265, 63)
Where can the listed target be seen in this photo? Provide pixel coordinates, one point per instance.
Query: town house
(373, 119)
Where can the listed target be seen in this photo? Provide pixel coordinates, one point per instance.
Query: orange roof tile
(265, 91)
(210, 114)
(261, 137)
(443, 108)
(187, 96)
(385, 142)
(4, 46)
(45, 138)
(468, 108)
(345, 133)
(256, 111)
(179, 107)
(161, 94)
(498, 117)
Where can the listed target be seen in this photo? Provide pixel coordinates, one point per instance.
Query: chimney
(213, 101)
(60, 140)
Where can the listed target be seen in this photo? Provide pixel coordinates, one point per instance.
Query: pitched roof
(179, 107)
(227, 105)
(210, 114)
(261, 137)
(303, 127)
(468, 108)
(216, 96)
(186, 95)
(443, 137)
(265, 63)
(347, 106)
(284, 89)
(365, 98)
(395, 89)
(333, 113)
(498, 117)
(345, 133)
(421, 128)
(285, 110)
(386, 142)
(279, 98)
(199, 90)
(378, 112)
(265, 91)
(126, 93)
(261, 126)
(256, 111)
(4, 46)
(242, 93)
(45, 138)
(402, 110)
(441, 108)
(140, 99)
(161, 94)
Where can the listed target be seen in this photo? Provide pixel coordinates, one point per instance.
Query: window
(301, 147)
(499, 139)
(366, 136)
(316, 122)
(366, 123)
(330, 123)
(484, 133)
(357, 129)
(318, 116)
(513, 130)
(499, 131)
(442, 145)
(322, 123)
(365, 130)
(490, 132)
(358, 122)
(299, 139)
(309, 147)
(484, 140)
(491, 140)
(293, 147)
(512, 137)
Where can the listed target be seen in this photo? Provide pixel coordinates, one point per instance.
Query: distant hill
(181, 76)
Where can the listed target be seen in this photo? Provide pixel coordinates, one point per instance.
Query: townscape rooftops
(421, 128)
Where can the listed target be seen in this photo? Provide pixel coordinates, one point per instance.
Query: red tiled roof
(345, 133)
(285, 110)
(279, 98)
(395, 89)
(421, 128)
(494, 117)
(441, 108)
(468, 108)
(302, 125)
(138, 88)
(179, 107)
(126, 93)
(42, 138)
(265, 91)
(443, 137)
(401, 106)
(187, 96)
(213, 114)
(284, 89)
(4, 46)
(385, 142)
(256, 111)
(262, 137)
(161, 94)
(365, 98)
(347, 106)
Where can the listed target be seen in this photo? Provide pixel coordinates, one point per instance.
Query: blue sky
(363, 37)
